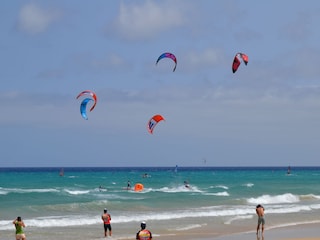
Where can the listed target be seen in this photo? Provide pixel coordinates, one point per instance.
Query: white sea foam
(225, 194)
(294, 224)
(72, 176)
(310, 196)
(188, 227)
(268, 199)
(77, 192)
(26, 190)
(220, 186)
(236, 218)
(3, 192)
(177, 189)
(249, 185)
(236, 213)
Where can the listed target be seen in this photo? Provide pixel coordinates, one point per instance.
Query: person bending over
(261, 220)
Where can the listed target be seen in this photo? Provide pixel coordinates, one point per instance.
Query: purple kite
(168, 55)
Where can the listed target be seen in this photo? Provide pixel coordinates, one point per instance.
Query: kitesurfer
(128, 185)
(186, 184)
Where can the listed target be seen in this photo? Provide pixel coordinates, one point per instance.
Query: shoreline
(303, 231)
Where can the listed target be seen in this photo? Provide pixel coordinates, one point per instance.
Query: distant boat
(289, 170)
(61, 173)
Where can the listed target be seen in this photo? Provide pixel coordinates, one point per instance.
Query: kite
(138, 187)
(236, 61)
(92, 94)
(168, 55)
(153, 122)
(83, 107)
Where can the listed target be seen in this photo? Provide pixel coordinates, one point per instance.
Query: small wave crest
(268, 199)
(5, 191)
(229, 221)
(309, 197)
(220, 186)
(249, 185)
(223, 194)
(77, 192)
(188, 227)
(178, 189)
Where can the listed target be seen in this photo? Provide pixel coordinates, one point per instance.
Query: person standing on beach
(106, 218)
(143, 234)
(19, 224)
(261, 221)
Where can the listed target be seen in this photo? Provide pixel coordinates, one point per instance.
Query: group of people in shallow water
(142, 234)
(145, 234)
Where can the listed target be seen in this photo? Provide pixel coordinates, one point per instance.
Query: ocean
(217, 198)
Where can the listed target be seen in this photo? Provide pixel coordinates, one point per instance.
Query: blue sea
(216, 198)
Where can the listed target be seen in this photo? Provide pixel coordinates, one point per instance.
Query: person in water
(128, 185)
(106, 218)
(144, 234)
(19, 224)
(261, 220)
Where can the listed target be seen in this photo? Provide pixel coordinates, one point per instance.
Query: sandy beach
(298, 232)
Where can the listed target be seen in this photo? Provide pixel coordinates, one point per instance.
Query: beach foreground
(298, 232)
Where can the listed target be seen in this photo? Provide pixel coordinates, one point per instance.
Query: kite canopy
(92, 94)
(153, 122)
(168, 55)
(138, 187)
(236, 62)
(83, 107)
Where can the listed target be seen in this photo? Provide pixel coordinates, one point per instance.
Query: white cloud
(148, 20)
(34, 19)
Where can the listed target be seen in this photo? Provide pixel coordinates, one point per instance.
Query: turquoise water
(224, 195)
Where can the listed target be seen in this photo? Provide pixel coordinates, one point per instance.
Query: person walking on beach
(19, 224)
(261, 221)
(106, 218)
(144, 234)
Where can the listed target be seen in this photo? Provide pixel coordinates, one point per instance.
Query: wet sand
(298, 232)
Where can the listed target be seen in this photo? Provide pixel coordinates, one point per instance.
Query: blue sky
(266, 114)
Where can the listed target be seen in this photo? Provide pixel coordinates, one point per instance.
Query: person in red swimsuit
(106, 218)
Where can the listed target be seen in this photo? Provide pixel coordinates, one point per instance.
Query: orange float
(138, 187)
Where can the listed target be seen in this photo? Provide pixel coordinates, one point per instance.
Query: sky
(265, 114)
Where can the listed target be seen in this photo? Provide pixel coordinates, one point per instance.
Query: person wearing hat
(144, 234)
(19, 224)
(106, 218)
